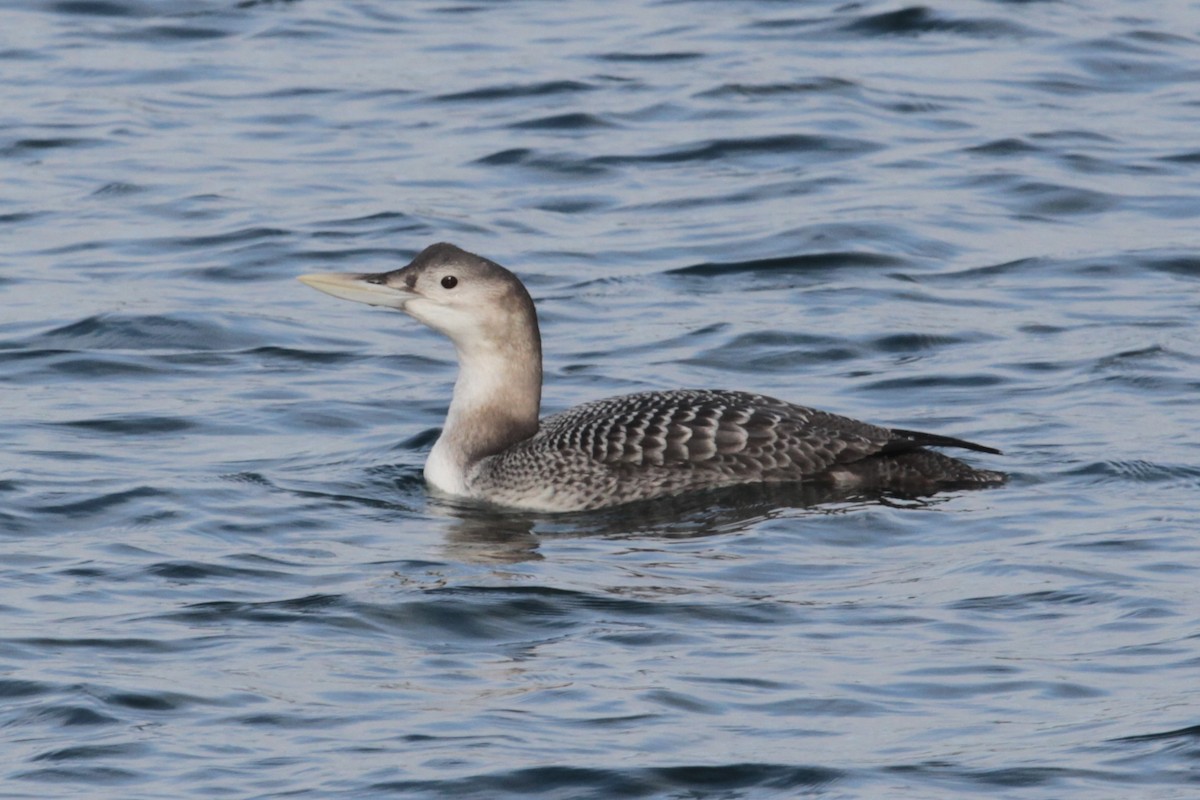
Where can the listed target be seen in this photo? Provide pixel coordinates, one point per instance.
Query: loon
(494, 448)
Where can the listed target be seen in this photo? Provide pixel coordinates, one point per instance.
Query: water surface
(221, 572)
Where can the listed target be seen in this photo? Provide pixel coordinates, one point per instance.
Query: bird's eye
(449, 282)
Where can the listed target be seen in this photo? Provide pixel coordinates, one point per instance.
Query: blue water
(221, 574)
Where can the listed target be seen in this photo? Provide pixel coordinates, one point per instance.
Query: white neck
(496, 402)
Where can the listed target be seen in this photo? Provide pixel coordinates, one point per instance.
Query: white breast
(444, 469)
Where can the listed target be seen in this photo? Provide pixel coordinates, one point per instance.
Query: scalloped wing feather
(655, 444)
(727, 431)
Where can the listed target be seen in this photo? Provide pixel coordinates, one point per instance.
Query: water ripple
(917, 20)
(222, 573)
(766, 779)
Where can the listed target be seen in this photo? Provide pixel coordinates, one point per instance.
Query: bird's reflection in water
(485, 534)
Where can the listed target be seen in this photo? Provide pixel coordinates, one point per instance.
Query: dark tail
(907, 440)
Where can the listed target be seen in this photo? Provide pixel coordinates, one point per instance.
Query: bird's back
(651, 444)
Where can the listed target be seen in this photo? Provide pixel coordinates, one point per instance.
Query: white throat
(496, 402)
